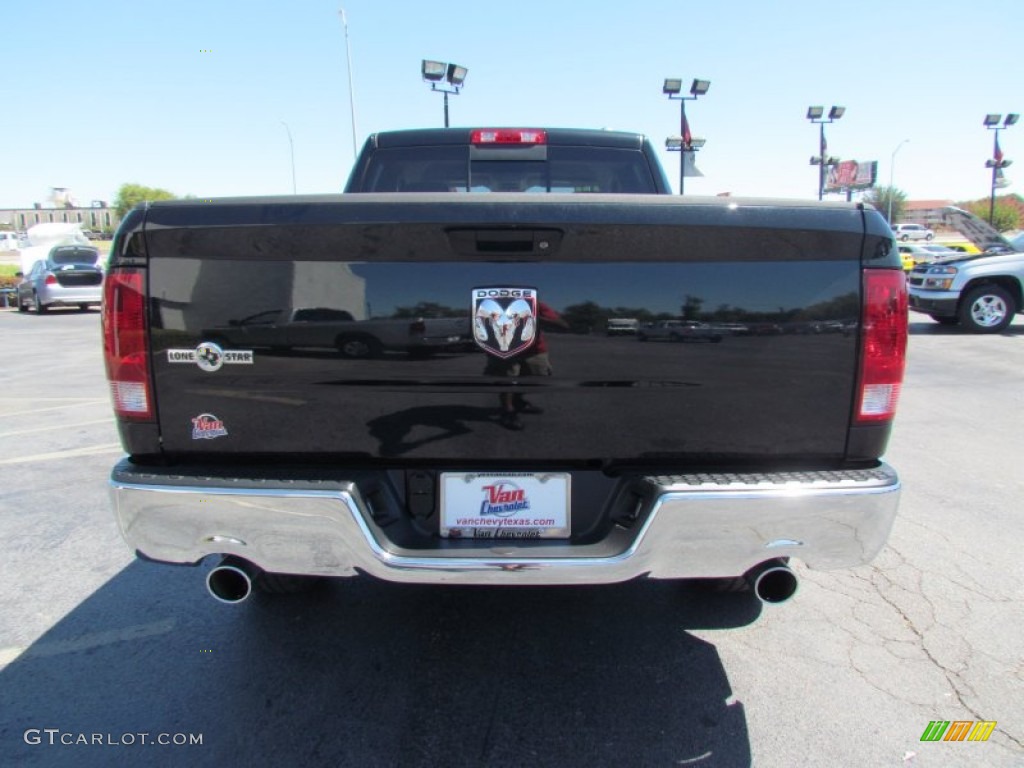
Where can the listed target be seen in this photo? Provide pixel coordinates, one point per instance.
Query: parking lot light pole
(892, 170)
(673, 89)
(997, 163)
(437, 73)
(351, 91)
(291, 147)
(815, 115)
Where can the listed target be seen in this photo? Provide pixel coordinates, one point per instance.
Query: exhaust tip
(230, 582)
(773, 583)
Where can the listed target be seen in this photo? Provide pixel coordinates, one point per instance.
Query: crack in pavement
(961, 688)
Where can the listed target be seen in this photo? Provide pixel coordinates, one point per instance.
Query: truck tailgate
(781, 293)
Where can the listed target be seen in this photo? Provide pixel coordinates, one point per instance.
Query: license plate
(506, 506)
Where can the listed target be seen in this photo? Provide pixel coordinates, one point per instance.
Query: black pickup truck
(545, 451)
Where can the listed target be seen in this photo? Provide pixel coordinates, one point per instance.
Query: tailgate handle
(540, 242)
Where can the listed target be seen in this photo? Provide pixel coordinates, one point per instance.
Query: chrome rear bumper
(692, 526)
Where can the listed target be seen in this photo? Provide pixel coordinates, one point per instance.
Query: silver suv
(906, 232)
(981, 292)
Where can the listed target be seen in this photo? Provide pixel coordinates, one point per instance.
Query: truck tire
(21, 305)
(987, 309)
(359, 347)
(39, 306)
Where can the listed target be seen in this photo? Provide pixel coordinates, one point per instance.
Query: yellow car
(963, 246)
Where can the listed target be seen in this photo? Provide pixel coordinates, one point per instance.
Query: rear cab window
(481, 168)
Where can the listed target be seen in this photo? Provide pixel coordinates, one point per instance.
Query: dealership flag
(999, 152)
(690, 164)
(687, 136)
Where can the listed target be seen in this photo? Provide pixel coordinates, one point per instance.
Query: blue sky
(191, 96)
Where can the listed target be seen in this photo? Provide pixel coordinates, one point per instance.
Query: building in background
(98, 216)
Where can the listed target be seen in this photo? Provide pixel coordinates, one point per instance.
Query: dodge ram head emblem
(505, 320)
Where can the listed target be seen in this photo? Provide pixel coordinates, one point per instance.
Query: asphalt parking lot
(848, 673)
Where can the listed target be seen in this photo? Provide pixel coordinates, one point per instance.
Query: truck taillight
(125, 347)
(51, 280)
(883, 351)
(509, 136)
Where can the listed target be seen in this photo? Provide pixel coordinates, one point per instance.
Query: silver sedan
(70, 276)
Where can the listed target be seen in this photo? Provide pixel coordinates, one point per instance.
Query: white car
(906, 232)
(11, 241)
(925, 254)
(622, 326)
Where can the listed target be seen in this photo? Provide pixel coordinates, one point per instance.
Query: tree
(586, 317)
(880, 197)
(130, 195)
(1005, 215)
(691, 307)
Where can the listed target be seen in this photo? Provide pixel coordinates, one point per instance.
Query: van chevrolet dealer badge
(506, 505)
(504, 320)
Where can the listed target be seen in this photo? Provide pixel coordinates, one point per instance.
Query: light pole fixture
(892, 170)
(351, 90)
(997, 163)
(816, 115)
(677, 144)
(291, 148)
(673, 88)
(444, 77)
